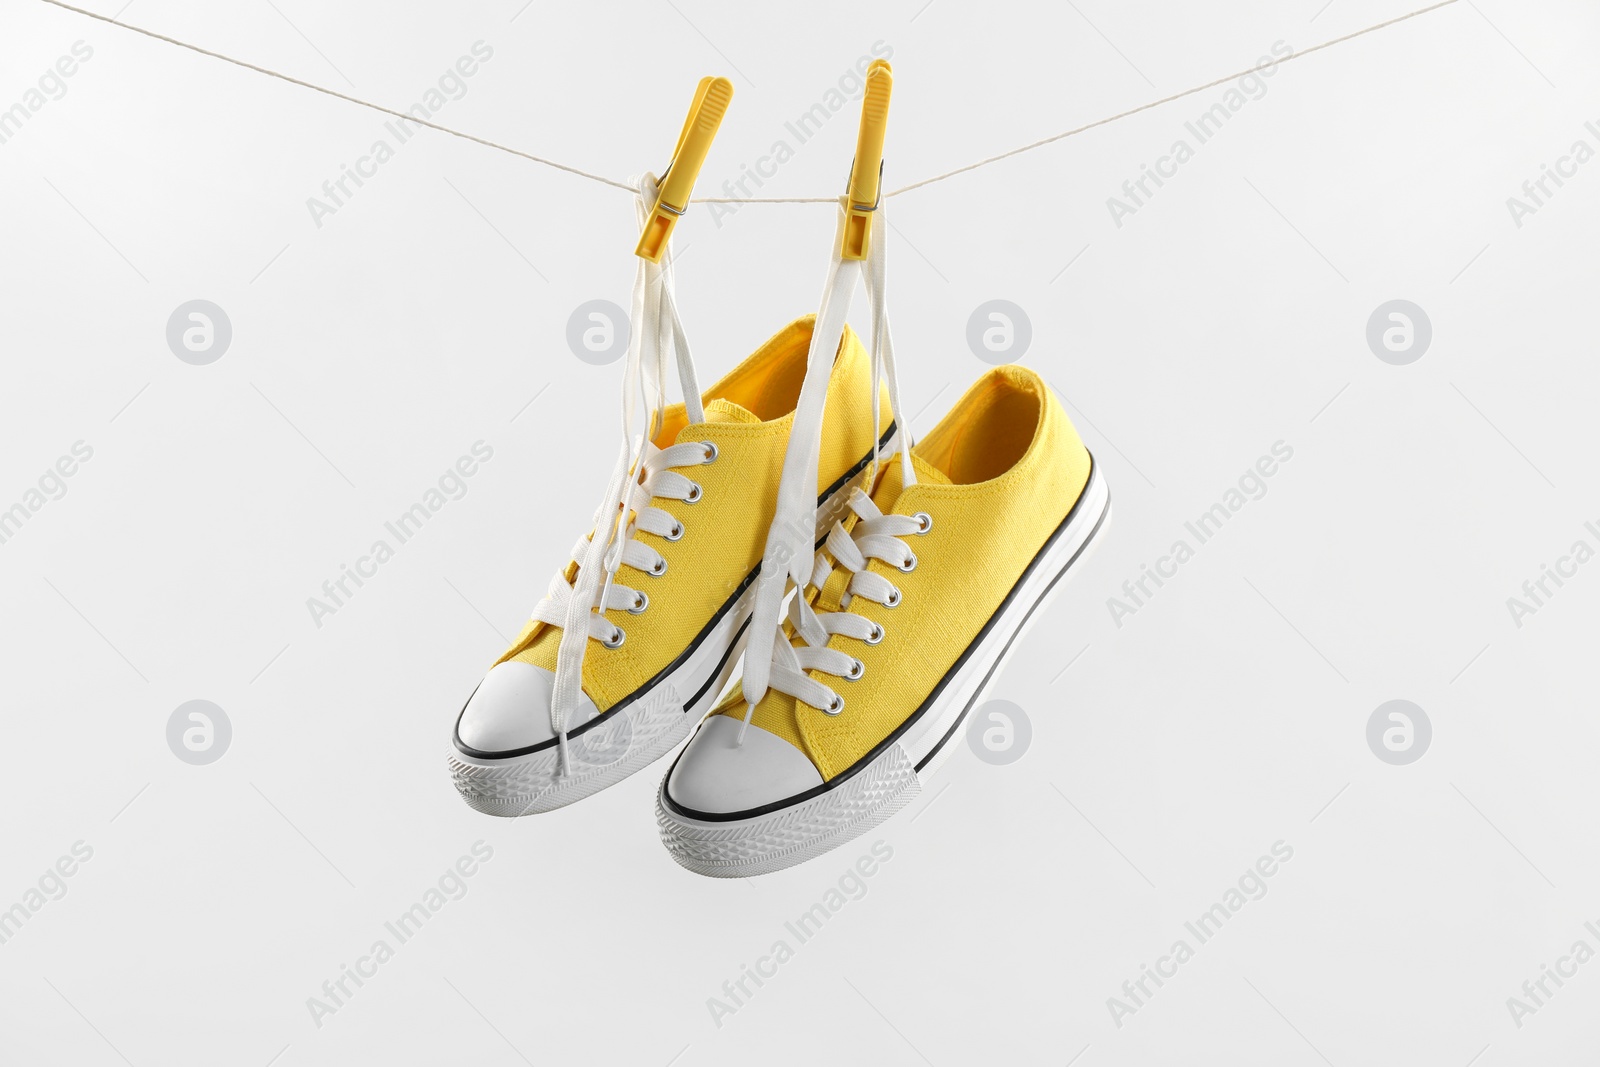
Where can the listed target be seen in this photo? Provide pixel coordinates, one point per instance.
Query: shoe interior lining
(767, 384)
(987, 433)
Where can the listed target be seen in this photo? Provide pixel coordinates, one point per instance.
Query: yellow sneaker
(913, 605)
(640, 630)
(679, 601)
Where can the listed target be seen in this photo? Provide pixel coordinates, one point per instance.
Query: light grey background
(1168, 753)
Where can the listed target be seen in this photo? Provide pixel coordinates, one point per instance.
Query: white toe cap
(510, 711)
(718, 777)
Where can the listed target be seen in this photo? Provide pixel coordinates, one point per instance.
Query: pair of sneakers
(871, 587)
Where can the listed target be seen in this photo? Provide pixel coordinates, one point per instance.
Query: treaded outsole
(800, 833)
(634, 737)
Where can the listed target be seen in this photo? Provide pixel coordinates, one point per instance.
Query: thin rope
(741, 200)
(1163, 100)
(349, 99)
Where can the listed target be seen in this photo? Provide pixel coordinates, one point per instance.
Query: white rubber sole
(632, 737)
(774, 840)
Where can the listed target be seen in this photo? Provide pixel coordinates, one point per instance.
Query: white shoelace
(876, 536)
(657, 480)
(641, 472)
(789, 547)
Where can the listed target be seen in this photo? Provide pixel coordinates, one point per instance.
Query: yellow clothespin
(866, 172)
(705, 116)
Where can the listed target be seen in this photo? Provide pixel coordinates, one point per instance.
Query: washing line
(629, 188)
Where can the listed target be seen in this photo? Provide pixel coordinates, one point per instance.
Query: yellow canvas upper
(998, 475)
(749, 414)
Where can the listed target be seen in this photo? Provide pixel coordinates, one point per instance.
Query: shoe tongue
(720, 410)
(889, 486)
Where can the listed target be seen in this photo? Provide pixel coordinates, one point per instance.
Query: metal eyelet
(925, 520)
(894, 599)
(640, 604)
(835, 706)
(676, 533)
(857, 669)
(876, 636)
(695, 493)
(909, 565)
(616, 638)
(658, 569)
(711, 451)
